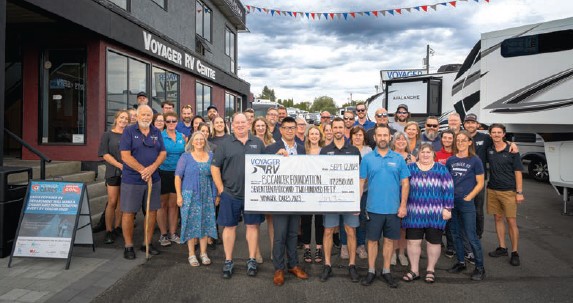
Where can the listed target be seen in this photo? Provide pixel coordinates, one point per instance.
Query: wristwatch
(519, 192)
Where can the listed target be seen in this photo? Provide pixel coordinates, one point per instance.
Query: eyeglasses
(382, 115)
(170, 121)
(361, 110)
(432, 125)
(290, 128)
(325, 117)
(348, 118)
(402, 113)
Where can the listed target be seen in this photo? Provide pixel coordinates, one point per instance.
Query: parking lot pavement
(546, 273)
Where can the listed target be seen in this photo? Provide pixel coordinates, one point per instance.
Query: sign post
(55, 216)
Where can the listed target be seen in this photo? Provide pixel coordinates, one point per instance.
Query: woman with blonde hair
(413, 133)
(197, 197)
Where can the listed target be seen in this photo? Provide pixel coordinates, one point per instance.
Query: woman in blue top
(429, 205)
(468, 174)
(168, 213)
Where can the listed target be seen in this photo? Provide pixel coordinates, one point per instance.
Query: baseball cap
(212, 107)
(141, 94)
(404, 106)
(471, 117)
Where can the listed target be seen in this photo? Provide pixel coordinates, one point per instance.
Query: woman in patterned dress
(197, 197)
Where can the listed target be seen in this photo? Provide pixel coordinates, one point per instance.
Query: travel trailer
(523, 77)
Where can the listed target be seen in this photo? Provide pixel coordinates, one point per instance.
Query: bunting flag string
(352, 15)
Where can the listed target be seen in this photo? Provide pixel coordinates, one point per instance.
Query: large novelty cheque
(302, 184)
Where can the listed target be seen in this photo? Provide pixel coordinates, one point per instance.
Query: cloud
(303, 59)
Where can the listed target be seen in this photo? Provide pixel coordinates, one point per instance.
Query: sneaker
(498, 252)
(457, 268)
(389, 280)
(307, 255)
(354, 276)
(403, 259)
(129, 253)
(369, 279)
(393, 259)
(470, 258)
(361, 252)
(164, 240)
(109, 237)
(175, 238)
(326, 273)
(478, 274)
(344, 252)
(449, 253)
(228, 269)
(251, 267)
(514, 259)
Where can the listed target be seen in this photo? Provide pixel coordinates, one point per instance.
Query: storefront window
(63, 96)
(165, 87)
(230, 105)
(203, 100)
(126, 77)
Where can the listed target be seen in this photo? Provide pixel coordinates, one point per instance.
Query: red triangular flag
(312, 14)
(353, 15)
(399, 10)
(331, 15)
(294, 13)
(375, 13)
(425, 8)
(453, 3)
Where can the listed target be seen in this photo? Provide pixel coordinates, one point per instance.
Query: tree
(267, 94)
(324, 103)
(351, 103)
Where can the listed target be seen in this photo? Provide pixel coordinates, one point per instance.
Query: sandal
(193, 261)
(411, 276)
(307, 255)
(318, 255)
(430, 277)
(205, 259)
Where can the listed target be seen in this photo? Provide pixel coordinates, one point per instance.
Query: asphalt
(546, 273)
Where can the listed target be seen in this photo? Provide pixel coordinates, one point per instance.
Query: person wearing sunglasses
(167, 215)
(362, 114)
(381, 117)
(431, 132)
(348, 123)
(324, 119)
(401, 118)
(142, 151)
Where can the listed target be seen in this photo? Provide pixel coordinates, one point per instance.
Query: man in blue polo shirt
(388, 187)
(185, 126)
(142, 151)
(362, 114)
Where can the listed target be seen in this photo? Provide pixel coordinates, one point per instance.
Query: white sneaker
(403, 259)
(175, 238)
(393, 259)
(164, 240)
(361, 252)
(344, 252)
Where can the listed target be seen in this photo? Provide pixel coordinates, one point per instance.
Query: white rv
(523, 77)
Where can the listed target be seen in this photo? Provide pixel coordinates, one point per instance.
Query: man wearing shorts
(142, 151)
(228, 170)
(339, 146)
(504, 191)
(388, 187)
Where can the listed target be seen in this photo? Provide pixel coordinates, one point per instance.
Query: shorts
(378, 225)
(432, 235)
(501, 202)
(230, 210)
(167, 182)
(333, 220)
(113, 181)
(134, 197)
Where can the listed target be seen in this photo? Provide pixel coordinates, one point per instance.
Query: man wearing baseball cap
(142, 100)
(212, 112)
(401, 117)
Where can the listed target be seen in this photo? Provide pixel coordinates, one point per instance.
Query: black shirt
(482, 142)
(347, 149)
(502, 166)
(230, 158)
(370, 134)
(110, 145)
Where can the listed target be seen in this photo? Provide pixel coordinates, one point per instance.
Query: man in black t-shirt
(504, 191)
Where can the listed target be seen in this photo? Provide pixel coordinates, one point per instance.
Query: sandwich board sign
(55, 217)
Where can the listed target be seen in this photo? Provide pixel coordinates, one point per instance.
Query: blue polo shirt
(174, 149)
(145, 149)
(367, 125)
(187, 131)
(384, 175)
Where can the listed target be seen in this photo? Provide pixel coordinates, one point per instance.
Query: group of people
(414, 186)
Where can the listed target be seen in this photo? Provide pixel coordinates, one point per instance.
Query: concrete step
(53, 169)
(84, 176)
(97, 189)
(97, 205)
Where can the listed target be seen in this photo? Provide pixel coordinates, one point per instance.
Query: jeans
(479, 203)
(464, 223)
(360, 230)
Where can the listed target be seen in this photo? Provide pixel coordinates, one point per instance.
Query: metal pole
(2, 74)
(427, 59)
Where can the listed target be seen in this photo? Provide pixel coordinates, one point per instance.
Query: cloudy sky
(304, 59)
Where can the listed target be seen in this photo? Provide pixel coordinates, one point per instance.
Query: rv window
(537, 44)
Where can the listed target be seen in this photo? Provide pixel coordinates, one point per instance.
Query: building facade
(70, 65)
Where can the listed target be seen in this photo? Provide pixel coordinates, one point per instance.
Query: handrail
(43, 158)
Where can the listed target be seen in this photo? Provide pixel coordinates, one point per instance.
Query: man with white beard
(431, 133)
(142, 151)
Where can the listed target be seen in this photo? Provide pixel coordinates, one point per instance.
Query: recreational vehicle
(523, 77)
